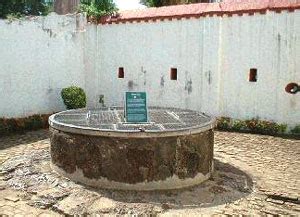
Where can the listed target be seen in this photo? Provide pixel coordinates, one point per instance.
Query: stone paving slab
(254, 175)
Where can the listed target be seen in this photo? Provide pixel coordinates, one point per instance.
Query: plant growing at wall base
(223, 123)
(74, 97)
(239, 125)
(15, 125)
(251, 126)
(265, 127)
(296, 130)
(34, 122)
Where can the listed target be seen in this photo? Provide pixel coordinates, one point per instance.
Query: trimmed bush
(73, 97)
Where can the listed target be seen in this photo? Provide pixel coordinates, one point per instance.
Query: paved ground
(254, 175)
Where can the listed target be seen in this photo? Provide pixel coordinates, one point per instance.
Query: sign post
(136, 107)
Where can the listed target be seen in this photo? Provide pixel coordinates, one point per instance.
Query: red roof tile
(201, 9)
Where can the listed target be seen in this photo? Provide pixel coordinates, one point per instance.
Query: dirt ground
(254, 174)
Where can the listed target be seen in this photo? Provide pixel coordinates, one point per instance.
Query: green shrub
(282, 128)
(223, 123)
(239, 125)
(73, 97)
(265, 127)
(252, 126)
(296, 130)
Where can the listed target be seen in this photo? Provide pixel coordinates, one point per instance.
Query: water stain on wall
(188, 86)
(188, 83)
(131, 85)
(144, 72)
(162, 81)
(208, 76)
(279, 48)
(50, 32)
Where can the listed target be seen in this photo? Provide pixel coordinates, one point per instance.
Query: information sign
(136, 107)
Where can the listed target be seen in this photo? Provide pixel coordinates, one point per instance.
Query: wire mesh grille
(160, 119)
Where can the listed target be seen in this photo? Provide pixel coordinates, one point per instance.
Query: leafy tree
(23, 7)
(152, 3)
(159, 3)
(98, 8)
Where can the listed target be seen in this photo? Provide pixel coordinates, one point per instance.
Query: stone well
(97, 148)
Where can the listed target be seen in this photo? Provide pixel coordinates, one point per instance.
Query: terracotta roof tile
(200, 9)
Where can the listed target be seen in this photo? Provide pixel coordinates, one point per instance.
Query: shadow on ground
(227, 184)
(14, 140)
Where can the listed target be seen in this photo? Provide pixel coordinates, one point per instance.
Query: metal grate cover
(112, 119)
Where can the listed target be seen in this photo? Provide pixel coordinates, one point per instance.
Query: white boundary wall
(213, 56)
(38, 57)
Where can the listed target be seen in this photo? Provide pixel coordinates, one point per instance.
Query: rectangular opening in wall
(173, 74)
(121, 72)
(253, 75)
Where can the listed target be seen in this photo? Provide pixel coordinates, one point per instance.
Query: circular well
(98, 148)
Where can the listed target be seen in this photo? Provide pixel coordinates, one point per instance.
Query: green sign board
(136, 107)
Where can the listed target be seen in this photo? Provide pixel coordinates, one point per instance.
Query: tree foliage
(23, 7)
(98, 8)
(18, 8)
(159, 3)
(152, 3)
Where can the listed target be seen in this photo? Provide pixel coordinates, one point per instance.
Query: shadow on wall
(54, 99)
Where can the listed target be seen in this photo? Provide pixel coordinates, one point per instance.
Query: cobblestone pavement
(254, 174)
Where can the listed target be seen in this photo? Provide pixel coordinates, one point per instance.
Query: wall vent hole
(173, 74)
(292, 88)
(253, 75)
(121, 72)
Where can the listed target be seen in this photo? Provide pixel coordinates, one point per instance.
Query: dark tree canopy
(93, 8)
(23, 7)
(159, 3)
(98, 8)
